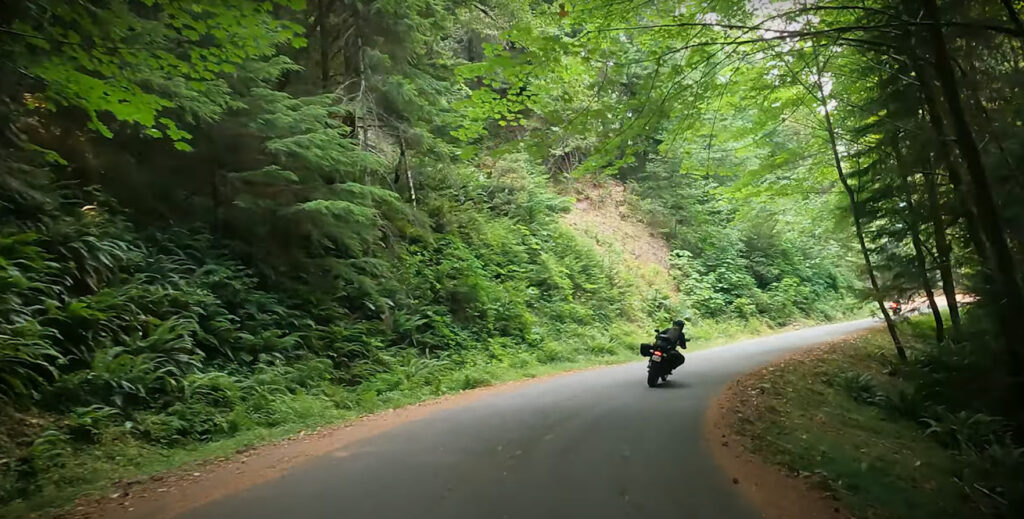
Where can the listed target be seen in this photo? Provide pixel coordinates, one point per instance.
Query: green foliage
(140, 61)
(843, 419)
(163, 338)
(856, 393)
(360, 223)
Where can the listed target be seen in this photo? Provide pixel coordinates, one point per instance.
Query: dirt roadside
(167, 495)
(776, 494)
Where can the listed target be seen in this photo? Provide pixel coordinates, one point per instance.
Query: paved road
(597, 444)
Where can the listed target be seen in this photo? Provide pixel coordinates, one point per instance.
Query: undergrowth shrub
(168, 338)
(947, 391)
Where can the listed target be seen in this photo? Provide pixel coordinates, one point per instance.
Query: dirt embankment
(919, 304)
(602, 213)
(774, 492)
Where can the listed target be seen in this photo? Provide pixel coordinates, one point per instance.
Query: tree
(1004, 265)
(155, 64)
(855, 207)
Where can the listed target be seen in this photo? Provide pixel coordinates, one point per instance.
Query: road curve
(596, 444)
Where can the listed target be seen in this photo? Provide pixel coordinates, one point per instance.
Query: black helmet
(679, 323)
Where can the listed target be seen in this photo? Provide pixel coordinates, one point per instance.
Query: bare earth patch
(777, 494)
(601, 209)
(168, 495)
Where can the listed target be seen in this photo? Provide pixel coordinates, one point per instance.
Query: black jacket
(672, 337)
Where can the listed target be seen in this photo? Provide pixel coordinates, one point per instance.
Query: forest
(219, 219)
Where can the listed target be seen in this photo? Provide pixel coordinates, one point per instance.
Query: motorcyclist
(671, 338)
(896, 307)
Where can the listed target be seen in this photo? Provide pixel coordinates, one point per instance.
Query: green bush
(166, 338)
(945, 391)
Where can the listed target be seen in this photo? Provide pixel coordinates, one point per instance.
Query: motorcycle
(663, 358)
(896, 309)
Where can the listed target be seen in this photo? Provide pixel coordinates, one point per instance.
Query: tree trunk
(855, 209)
(215, 202)
(1011, 12)
(404, 158)
(1003, 263)
(943, 250)
(947, 154)
(323, 13)
(948, 158)
(971, 87)
(915, 238)
(353, 82)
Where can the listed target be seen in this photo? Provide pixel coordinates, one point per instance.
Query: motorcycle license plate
(656, 358)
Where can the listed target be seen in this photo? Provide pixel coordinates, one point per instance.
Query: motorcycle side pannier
(645, 350)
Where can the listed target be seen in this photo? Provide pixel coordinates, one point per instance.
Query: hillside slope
(601, 213)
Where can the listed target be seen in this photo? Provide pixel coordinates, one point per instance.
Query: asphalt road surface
(597, 444)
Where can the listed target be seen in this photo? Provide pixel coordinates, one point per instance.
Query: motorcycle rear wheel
(652, 378)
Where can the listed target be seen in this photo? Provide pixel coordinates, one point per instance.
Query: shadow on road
(672, 384)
